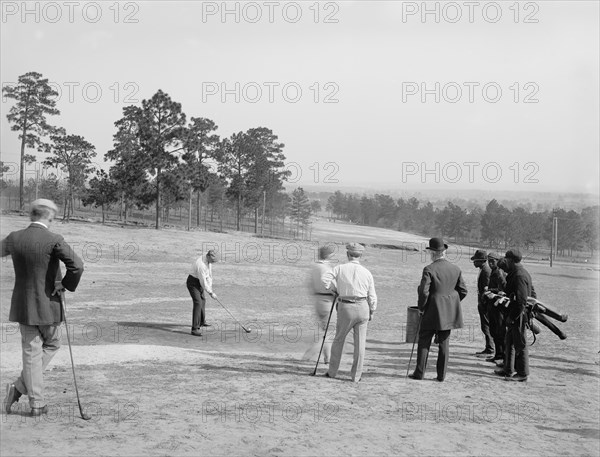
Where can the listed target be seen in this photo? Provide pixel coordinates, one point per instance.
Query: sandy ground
(152, 389)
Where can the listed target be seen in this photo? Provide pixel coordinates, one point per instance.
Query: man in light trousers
(357, 301)
(35, 304)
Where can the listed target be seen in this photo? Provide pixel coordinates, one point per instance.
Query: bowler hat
(355, 247)
(437, 244)
(514, 255)
(493, 255)
(480, 255)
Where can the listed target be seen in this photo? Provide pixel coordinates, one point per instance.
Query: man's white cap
(44, 203)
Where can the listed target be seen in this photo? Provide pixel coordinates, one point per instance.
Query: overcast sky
(350, 88)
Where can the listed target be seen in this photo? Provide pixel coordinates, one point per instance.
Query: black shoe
(439, 380)
(484, 353)
(495, 358)
(39, 411)
(12, 396)
(516, 378)
(327, 375)
(501, 372)
(413, 376)
(196, 333)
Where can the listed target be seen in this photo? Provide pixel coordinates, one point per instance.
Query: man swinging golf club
(357, 302)
(198, 282)
(35, 303)
(440, 292)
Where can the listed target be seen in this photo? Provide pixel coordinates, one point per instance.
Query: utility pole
(555, 233)
(554, 238)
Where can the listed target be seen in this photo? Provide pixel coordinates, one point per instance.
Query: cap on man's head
(42, 203)
(355, 248)
(437, 244)
(514, 255)
(480, 255)
(325, 252)
(494, 256)
(213, 255)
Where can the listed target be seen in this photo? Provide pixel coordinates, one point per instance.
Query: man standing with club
(323, 300)
(357, 302)
(199, 281)
(440, 292)
(35, 303)
(483, 280)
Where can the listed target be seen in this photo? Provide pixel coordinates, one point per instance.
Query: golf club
(325, 334)
(413, 345)
(84, 416)
(245, 329)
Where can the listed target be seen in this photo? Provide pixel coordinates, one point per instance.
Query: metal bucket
(412, 322)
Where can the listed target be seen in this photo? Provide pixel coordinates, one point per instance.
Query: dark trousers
(485, 327)
(517, 350)
(425, 337)
(197, 294)
(497, 329)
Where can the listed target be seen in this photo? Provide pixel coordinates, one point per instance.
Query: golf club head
(85, 417)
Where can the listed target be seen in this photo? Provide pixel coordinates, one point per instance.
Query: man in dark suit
(519, 286)
(483, 279)
(35, 304)
(495, 312)
(440, 292)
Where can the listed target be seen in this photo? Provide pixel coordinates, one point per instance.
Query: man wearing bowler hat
(483, 280)
(440, 292)
(36, 254)
(357, 302)
(199, 281)
(519, 286)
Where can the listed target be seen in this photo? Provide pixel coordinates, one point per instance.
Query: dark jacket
(519, 286)
(36, 253)
(482, 282)
(441, 290)
(497, 281)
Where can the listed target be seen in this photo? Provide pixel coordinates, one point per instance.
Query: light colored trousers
(350, 316)
(323, 305)
(39, 343)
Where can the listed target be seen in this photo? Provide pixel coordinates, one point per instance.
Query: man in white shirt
(199, 281)
(356, 304)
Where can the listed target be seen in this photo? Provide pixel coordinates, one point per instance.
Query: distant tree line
(495, 225)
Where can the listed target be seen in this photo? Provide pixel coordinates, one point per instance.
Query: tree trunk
(21, 171)
(239, 210)
(157, 199)
(198, 209)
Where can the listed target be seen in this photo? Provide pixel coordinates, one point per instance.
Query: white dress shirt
(203, 272)
(352, 280)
